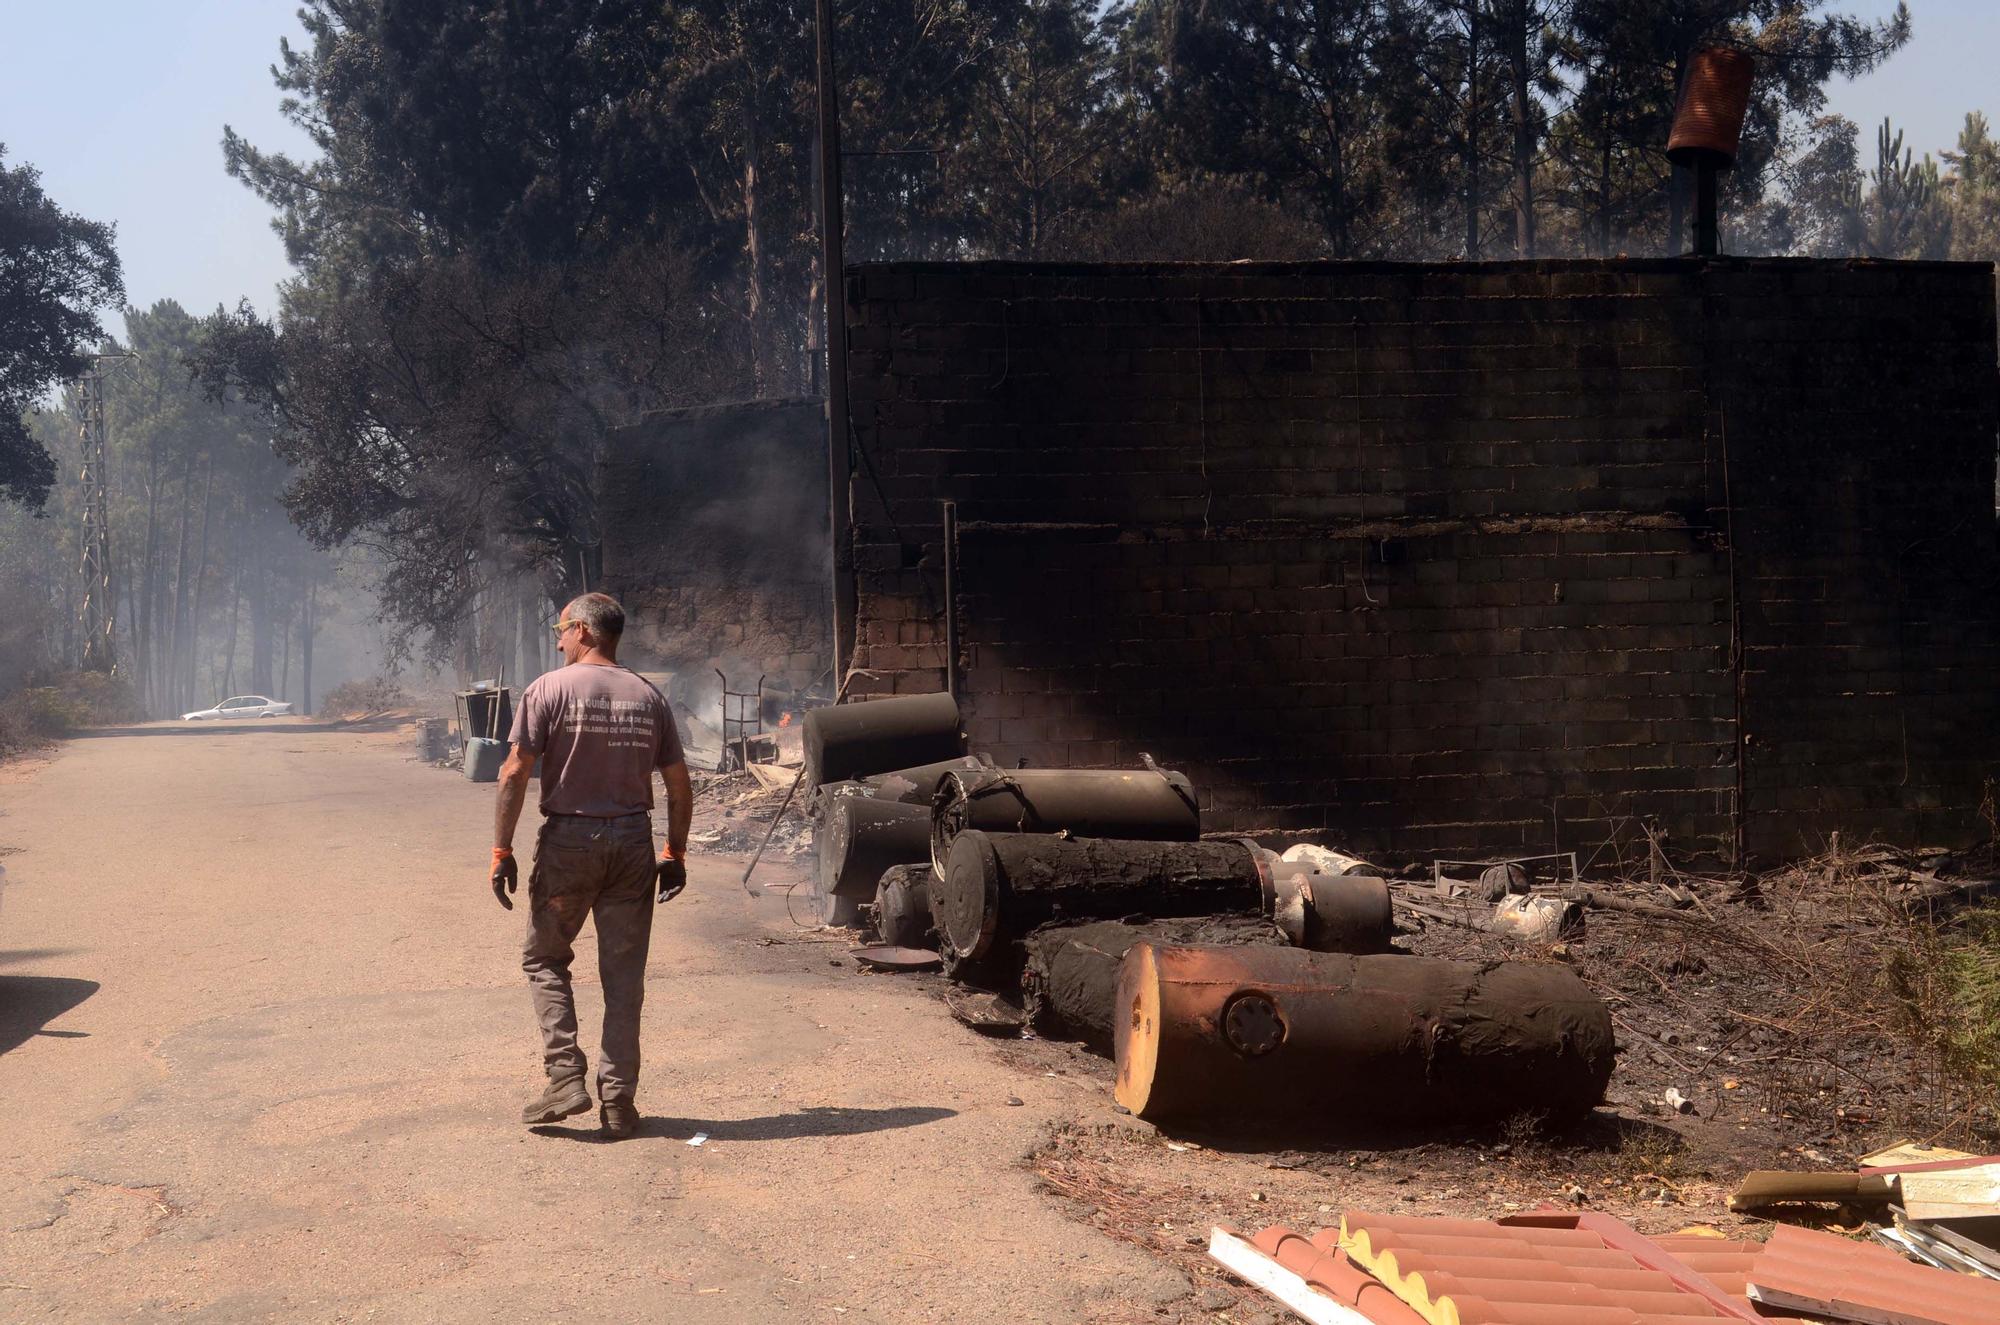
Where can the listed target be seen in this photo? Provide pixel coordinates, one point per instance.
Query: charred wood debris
(1222, 977)
(1020, 881)
(1239, 987)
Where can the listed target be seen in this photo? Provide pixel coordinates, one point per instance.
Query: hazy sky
(1928, 86)
(121, 103)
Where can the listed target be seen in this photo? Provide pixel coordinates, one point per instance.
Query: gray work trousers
(601, 868)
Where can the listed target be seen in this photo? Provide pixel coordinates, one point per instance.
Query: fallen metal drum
(1237, 1032)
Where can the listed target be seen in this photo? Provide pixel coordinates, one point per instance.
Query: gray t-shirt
(601, 731)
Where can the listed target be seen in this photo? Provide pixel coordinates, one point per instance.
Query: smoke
(715, 538)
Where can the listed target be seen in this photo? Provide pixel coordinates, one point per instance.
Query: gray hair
(601, 614)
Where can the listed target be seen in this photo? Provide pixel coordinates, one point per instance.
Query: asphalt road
(264, 1040)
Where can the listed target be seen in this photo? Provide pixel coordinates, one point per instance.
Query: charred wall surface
(715, 539)
(1454, 559)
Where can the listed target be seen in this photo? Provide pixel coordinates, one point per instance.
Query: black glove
(506, 876)
(672, 876)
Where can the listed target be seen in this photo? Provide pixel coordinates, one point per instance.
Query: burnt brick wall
(1855, 405)
(1447, 559)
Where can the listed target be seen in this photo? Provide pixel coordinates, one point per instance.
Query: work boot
(618, 1118)
(565, 1098)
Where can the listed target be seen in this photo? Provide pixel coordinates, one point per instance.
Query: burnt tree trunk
(142, 645)
(170, 671)
(527, 662)
(262, 644)
(200, 575)
(235, 613)
(308, 627)
(753, 248)
(1520, 17)
(1470, 142)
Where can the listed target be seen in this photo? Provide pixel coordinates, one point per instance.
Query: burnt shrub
(54, 706)
(377, 694)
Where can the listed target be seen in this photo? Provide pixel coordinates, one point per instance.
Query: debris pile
(733, 812)
(1933, 1204)
(1228, 981)
(1234, 986)
(1841, 1001)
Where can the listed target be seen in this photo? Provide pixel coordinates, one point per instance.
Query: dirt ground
(263, 1037)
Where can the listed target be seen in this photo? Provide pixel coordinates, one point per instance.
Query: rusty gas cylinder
(1240, 1033)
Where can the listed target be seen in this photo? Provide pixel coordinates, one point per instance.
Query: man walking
(601, 730)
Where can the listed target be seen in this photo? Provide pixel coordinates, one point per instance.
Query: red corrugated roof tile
(1543, 1270)
(1550, 1268)
(1804, 1270)
(1472, 1272)
(1319, 1261)
(1724, 1262)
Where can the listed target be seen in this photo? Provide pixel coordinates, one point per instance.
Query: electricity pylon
(97, 613)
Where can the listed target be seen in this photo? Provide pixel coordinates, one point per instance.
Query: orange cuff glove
(506, 875)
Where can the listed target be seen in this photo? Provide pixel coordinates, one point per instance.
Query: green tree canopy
(57, 270)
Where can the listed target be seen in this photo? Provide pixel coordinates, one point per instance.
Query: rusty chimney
(1708, 125)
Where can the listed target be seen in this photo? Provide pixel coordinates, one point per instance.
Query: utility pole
(98, 611)
(833, 266)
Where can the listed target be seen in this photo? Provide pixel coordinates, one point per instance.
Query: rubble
(1325, 860)
(733, 811)
(1540, 920)
(1189, 961)
(888, 957)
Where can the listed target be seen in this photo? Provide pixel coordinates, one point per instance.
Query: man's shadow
(30, 1002)
(814, 1120)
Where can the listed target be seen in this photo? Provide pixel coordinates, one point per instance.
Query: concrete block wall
(1442, 559)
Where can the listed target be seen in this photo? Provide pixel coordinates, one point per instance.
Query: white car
(241, 706)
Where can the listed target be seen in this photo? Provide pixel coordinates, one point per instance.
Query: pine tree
(1972, 192)
(1904, 215)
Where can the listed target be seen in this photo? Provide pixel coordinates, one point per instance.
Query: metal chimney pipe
(1708, 128)
(1707, 238)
